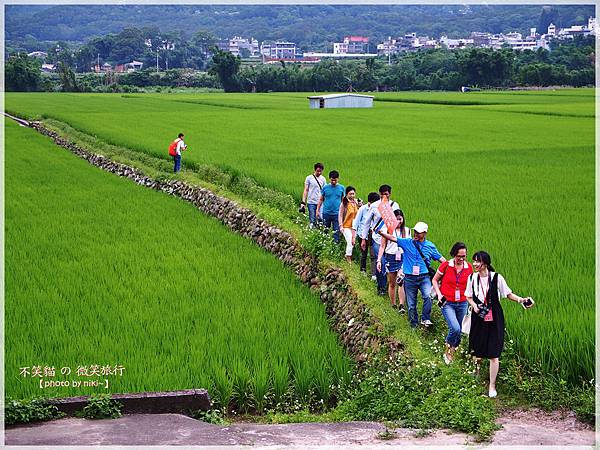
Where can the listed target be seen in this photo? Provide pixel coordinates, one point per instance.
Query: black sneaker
(401, 309)
(381, 293)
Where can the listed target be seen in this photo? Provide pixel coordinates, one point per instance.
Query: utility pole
(157, 60)
(98, 64)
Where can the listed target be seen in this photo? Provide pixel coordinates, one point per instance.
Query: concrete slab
(520, 428)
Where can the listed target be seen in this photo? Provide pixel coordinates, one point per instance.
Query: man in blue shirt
(331, 198)
(416, 272)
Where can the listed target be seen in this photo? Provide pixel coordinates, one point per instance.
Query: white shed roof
(340, 95)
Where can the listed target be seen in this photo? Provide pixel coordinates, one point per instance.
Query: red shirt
(453, 279)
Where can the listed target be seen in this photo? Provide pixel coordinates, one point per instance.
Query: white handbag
(466, 322)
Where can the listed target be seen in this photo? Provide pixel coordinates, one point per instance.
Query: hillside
(314, 27)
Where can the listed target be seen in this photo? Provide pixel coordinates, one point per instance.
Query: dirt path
(519, 428)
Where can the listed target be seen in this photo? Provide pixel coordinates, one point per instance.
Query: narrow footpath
(519, 428)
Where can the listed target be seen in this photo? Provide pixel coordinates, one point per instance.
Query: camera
(483, 310)
(528, 303)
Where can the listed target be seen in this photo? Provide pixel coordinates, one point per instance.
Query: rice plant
(101, 271)
(507, 172)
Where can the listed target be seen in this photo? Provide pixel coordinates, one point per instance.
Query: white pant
(348, 236)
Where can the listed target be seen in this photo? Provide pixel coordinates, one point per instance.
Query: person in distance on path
(484, 290)
(449, 283)
(418, 253)
(331, 199)
(313, 184)
(175, 149)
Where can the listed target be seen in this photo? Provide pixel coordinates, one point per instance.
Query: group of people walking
(401, 266)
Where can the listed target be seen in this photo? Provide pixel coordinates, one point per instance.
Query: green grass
(102, 271)
(510, 175)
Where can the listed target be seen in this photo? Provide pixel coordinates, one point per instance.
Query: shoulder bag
(430, 270)
(466, 322)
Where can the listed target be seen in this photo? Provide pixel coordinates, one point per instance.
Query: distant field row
(509, 176)
(102, 271)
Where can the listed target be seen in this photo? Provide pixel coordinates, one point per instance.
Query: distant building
(339, 55)
(47, 68)
(236, 44)
(569, 33)
(387, 47)
(279, 50)
(351, 44)
(129, 67)
(410, 42)
(348, 100)
(41, 55)
(452, 44)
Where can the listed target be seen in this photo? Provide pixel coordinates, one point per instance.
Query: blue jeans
(412, 285)
(381, 278)
(454, 312)
(331, 221)
(312, 214)
(177, 160)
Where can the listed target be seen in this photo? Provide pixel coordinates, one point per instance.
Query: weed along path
(361, 327)
(519, 428)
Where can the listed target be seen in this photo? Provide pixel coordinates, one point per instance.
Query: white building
(41, 55)
(451, 44)
(237, 43)
(387, 47)
(348, 100)
(279, 50)
(351, 44)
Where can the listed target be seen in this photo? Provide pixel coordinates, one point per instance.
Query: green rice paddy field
(100, 271)
(508, 172)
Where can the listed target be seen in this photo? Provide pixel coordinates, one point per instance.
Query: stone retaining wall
(358, 330)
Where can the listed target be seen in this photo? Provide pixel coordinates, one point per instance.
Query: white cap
(420, 227)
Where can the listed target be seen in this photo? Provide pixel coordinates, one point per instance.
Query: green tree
(128, 45)
(68, 80)
(226, 67)
(22, 73)
(487, 67)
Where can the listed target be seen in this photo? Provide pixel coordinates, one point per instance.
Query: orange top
(350, 215)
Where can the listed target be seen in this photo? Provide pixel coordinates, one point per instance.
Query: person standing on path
(364, 234)
(389, 261)
(348, 211)
(372, 220)
(175, 149)
(418, 253)
(331, 199)
(450, 282)
(484, 290)
(313, 184)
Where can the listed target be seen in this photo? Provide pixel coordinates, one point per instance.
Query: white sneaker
(492, 393)
(426, 323)
(373, 278)
(447, 360)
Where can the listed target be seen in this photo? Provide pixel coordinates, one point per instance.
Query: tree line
(567, 63)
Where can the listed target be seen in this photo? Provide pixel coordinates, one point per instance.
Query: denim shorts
(391, 263)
